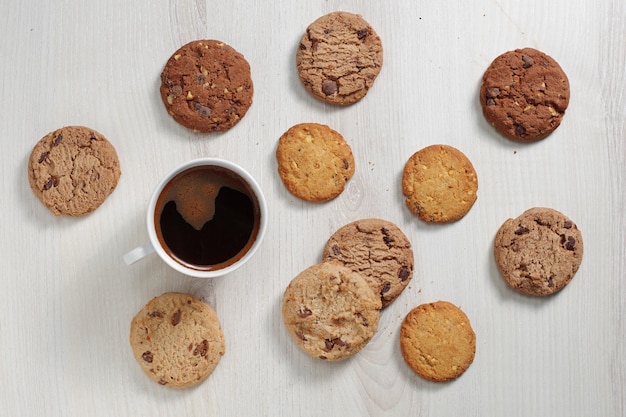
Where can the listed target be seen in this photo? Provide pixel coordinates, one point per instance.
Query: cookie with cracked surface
(378, 250)
(440, 184)
(177, 340)
(339, 58)
(330, 311)
(437, 341)
(206, 86)
(72, 170)
(538, 252)
(314, 162)
(524, 94)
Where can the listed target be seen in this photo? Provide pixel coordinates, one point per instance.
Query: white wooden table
(67, 298)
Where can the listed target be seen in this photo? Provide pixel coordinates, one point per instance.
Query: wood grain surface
(67, 298)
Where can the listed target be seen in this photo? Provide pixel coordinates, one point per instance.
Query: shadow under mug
(225, 172)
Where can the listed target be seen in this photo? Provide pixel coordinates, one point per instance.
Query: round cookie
(339, 57)
(524, 94)
(177, 340)
(439, 183)
(206, 86)
(437, 341)
(73, 170)
(314, 162)
(378, 250)
(539, 252)
(330, 311)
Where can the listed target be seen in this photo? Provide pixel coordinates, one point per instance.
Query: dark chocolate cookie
(206, 86)
(524, 94)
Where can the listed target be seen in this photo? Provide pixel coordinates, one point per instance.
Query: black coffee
(207, 217)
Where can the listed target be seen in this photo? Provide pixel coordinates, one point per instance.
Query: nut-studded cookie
(437, 341)
(538, 252)
(177, 340)
(314, 162)
(72, 170)
(339, 57)
(206, 86)
(524, 94)
(330, 311)
(378, 250)
(439, 183)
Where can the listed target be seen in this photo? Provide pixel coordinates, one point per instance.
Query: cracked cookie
(524, 94)
(206, 86)
(378, 250)
(437, 341)
(330, 311)
(314, 162)
(538, 252)
(177, 340)
(339, 57)
(439, 183)
(72, 170)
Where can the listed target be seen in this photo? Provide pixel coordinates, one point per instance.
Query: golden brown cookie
(206, 86)
(73, 170)
(524, 94)
(177, 340)
(339, 57)
(437, 341)
(314, 162)
(439, 183)
(378, 250)
(330, 311)
(538, 252)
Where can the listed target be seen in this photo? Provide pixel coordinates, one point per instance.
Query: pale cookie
(73, 170)
(379, 251)
(314, 162)
(339, 57)
(206, 86)
(524, 94)
(439, 183)
(437, 341)
(177, 340)
(330, 311)
(539, 252)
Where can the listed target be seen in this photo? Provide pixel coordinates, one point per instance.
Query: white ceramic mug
(165, 253)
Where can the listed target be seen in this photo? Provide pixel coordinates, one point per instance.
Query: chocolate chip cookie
(330, 311)
(314, 162)
(177, 340)
(378, 250)
(437, 341)
(72, 170)
(538, 252)
(524, 94)
(439, 183)
(339, 57)
(206, 86)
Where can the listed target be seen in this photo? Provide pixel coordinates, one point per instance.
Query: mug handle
(138, 253)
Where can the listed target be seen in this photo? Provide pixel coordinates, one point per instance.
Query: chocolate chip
(52, 182)
(336, 250)
(364, 319)
(491, 102)
(300, 335)
(331, 343)
(385, 288)
(158, 314)
(520, 130)
(202, 110)
(550, 282)
(176, 317)
(404, 273)
(329, 87)
(571, 242)
(522, 231)
(302, 47)
(58, 139)
(327, 31)
(202, 348)
(528, 61)
(568, 224)
(363, 33)
(493, 92)
(43, 157)
(305, 312)
(346, 164)
(147, 356)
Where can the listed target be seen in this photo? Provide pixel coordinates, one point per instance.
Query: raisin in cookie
(524, 94)
(330, 311)
(538, 252)
(339, 57)
(437, 341)
(314, 162)
(177, 340)
(439, 183)
(73, 170)
(206, 86)
(379, 251)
